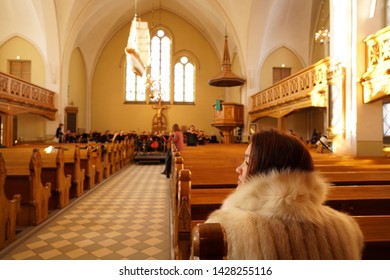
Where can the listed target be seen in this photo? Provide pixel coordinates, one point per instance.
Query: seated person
(213, 138)
(106, 137)
(201, 138)
(277, 210)
(69, 137)
(314, 138)
(192, 136)
(322, 144)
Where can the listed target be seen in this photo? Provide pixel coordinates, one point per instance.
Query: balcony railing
(376, 80)
(305, 88)
(18, 96)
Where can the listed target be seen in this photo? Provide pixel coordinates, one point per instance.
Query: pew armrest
(208, 242)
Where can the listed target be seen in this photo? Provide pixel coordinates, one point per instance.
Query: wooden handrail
(18, 96)
(308, 86)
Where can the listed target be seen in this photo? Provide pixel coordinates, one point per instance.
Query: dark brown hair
(175, 127)
(276, 150)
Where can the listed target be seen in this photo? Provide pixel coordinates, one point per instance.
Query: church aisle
(127, 216)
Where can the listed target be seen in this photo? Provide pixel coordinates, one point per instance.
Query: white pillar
(343, 50)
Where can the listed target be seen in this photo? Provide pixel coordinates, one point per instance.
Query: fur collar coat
(282, 215)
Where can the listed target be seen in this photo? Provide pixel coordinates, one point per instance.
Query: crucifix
(159, 120)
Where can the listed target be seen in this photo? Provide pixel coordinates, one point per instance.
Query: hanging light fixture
(138, 45)
(226, 78)
(322, 35)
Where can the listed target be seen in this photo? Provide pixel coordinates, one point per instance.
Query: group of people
(320, 141)
(193, 137)
(145, 142)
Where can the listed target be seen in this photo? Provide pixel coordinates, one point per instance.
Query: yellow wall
(108, 108)
(278, 57)
(17, 46)
(29, 126)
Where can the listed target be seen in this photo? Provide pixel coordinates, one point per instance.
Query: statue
(159, 120)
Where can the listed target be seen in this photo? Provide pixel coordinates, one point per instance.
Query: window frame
(177, 60)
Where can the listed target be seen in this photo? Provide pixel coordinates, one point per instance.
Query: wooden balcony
(376, 79)
(306, 88)
(18, 96)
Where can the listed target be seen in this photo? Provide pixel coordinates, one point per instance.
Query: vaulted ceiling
(254, 27)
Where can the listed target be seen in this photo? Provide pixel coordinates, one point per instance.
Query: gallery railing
(18, 96)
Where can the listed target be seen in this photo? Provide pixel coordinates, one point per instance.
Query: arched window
(184, 80)
(135, 86)
(160, 63)
(160, 72)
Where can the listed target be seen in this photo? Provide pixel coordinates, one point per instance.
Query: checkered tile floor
(125, 217)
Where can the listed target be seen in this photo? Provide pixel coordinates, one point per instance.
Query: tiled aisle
(125, 217)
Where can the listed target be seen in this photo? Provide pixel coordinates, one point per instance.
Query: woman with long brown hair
(278, 211)
(176, 137)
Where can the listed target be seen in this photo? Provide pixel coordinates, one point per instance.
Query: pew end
(208, 242)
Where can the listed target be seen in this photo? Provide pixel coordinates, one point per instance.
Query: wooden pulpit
(228, 116)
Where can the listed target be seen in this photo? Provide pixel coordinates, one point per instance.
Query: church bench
(355, 200)
(209, 242)
(106, 160)
(112, 157)
(351, 166)
(211, 173)
(194, 205)
(24, 178)
(73, 167)
(52, 171)
(96, 160)
(71, 163)
(358, 177)
(88, 166)
(9, 209)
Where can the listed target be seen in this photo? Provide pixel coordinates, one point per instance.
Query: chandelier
(322, 36)
(152, 88)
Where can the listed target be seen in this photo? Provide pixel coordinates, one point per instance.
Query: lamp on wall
(226, 78)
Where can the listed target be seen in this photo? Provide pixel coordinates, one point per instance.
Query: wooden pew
(71, 163)
(24, 178)
(210, 184)
(182, 230)
(194, 205)
(112, 157)
(106, 150)
(9, 209)
(53, 171)
(73, 166)
(209, 242)
(96, 160)
(88, 166)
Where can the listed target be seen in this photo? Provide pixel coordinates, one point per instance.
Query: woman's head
(275, 150)
(175, 127)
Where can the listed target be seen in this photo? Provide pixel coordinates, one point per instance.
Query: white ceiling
(254, 27)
